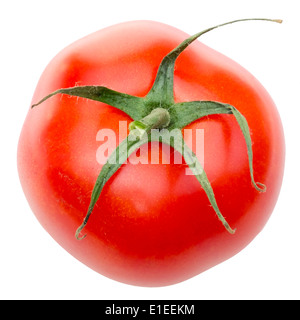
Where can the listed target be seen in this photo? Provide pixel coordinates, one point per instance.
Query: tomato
(153, 224)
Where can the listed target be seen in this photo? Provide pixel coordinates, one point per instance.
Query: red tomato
(153, 224)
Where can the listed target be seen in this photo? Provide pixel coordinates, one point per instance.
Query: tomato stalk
(158, 110)
(159, 118)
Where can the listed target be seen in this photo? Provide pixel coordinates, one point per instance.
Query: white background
(32, 265)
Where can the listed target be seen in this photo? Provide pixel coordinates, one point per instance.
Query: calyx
(158, 110)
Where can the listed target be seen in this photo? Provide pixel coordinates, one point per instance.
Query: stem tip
(78, 232)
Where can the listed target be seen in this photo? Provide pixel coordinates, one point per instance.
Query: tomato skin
(153, 224)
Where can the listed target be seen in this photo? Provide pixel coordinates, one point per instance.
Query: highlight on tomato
(145, 97)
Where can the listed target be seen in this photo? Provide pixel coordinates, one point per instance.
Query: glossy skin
(153, 224)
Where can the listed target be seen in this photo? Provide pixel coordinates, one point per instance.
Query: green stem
(158, 118)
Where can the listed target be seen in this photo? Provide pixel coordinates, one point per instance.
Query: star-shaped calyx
(154, 116)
